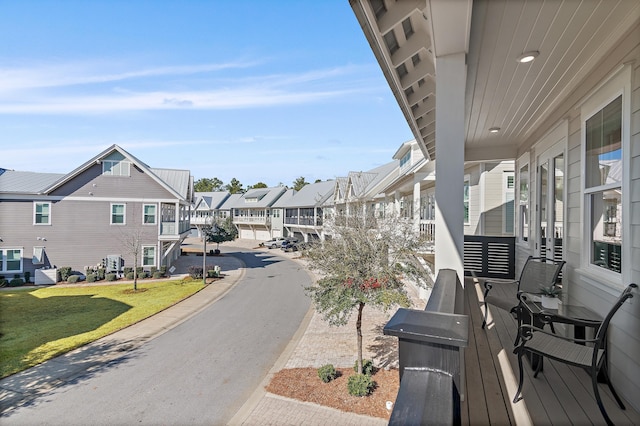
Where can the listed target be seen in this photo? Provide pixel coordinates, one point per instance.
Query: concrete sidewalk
(310, 347)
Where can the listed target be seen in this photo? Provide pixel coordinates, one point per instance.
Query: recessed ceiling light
(527, 56)
(494, 129)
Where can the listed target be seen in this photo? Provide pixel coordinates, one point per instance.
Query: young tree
(219, 231)
(234, 187)
(364, 263)
(299, 183)
(132, 242)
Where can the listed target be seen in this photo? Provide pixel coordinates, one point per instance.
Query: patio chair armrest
(488, 285)
(526, 333)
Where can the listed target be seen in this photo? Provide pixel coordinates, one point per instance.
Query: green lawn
(39, 324)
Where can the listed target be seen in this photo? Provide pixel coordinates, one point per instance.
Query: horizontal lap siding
(624, 337)
(92, 183)
(80, 233)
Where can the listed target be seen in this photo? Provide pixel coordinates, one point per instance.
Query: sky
(260, 91)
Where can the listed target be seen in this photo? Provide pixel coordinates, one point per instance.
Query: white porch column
(416, 205)
(450, 87)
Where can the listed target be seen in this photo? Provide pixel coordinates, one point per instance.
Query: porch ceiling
(571, 37)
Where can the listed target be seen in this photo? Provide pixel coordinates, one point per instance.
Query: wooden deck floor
(560, 395)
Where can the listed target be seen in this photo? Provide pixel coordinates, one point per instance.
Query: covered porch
(559, 395)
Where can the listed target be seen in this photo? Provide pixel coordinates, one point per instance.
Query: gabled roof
(285, 199)
(311, 195)
(230, 202)
(340, 191)
(210, 200)
(373, 182)
(27, 182)
(179, 182)
(259, 198)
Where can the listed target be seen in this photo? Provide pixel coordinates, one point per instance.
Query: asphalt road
(200, 372)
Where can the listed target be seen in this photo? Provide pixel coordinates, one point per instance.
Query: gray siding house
(252, 212)
(303, 212)
(80, 218)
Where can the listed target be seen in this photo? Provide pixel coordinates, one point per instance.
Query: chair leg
(538, 367)
(486, 310)
(517, 397)
(518, 311)
(613, 391)
(594, 382)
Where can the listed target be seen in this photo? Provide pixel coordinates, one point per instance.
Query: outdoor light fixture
(494, 129)
(527, 56)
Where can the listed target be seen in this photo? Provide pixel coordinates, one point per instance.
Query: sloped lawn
(39, 324)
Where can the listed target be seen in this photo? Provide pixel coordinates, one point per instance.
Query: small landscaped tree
(219, 231)
(364, 262)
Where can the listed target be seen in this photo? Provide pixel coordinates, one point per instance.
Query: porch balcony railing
(431, 362)
(254, 220)
(170, 228)
(202, 220)
(490, 257)
(303, 221)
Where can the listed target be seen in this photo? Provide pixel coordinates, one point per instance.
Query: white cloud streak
(49, 91)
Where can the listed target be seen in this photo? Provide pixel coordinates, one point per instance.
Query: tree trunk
(359, 332)
(204, 260)
(135, 272)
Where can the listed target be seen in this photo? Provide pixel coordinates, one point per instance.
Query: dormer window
(115, 164)
(406, 159)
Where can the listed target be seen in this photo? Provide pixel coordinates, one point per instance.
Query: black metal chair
(572, 351)
(537, 273)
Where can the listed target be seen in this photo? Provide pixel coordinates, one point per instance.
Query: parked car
(296, 246)
(290, 242)
(275, 242)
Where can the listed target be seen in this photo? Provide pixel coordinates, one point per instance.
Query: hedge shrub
(73, 279)
(111, 277)
(327, 373)
(367, 367)
(157, 275)
(195, 272)
(65, 272)
(92, 278)
(360, 385)
(16, 282)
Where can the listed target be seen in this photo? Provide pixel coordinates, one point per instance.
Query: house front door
(550, 217)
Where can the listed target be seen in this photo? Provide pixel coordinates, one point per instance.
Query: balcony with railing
(173, 229)
(252, 220)
(303, 221)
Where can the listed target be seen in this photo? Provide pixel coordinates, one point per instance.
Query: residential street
(200, 372)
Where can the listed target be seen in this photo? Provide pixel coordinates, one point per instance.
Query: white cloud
(51, 90)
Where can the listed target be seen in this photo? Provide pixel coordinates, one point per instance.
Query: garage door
(246, 233)
(263, 235)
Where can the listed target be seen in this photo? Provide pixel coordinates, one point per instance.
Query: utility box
(114, 263)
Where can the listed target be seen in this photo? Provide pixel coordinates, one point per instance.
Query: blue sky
(257, 90)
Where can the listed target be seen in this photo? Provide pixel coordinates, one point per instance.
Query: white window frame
(155, 214)
(155, 253)
(505, 200)
(124, 214)
(467, 182)
(618, 84)
(118, 165)
(3, 257)
(35, 207)
(522, 162)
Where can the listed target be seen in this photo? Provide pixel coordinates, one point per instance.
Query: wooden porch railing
(430, 346)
